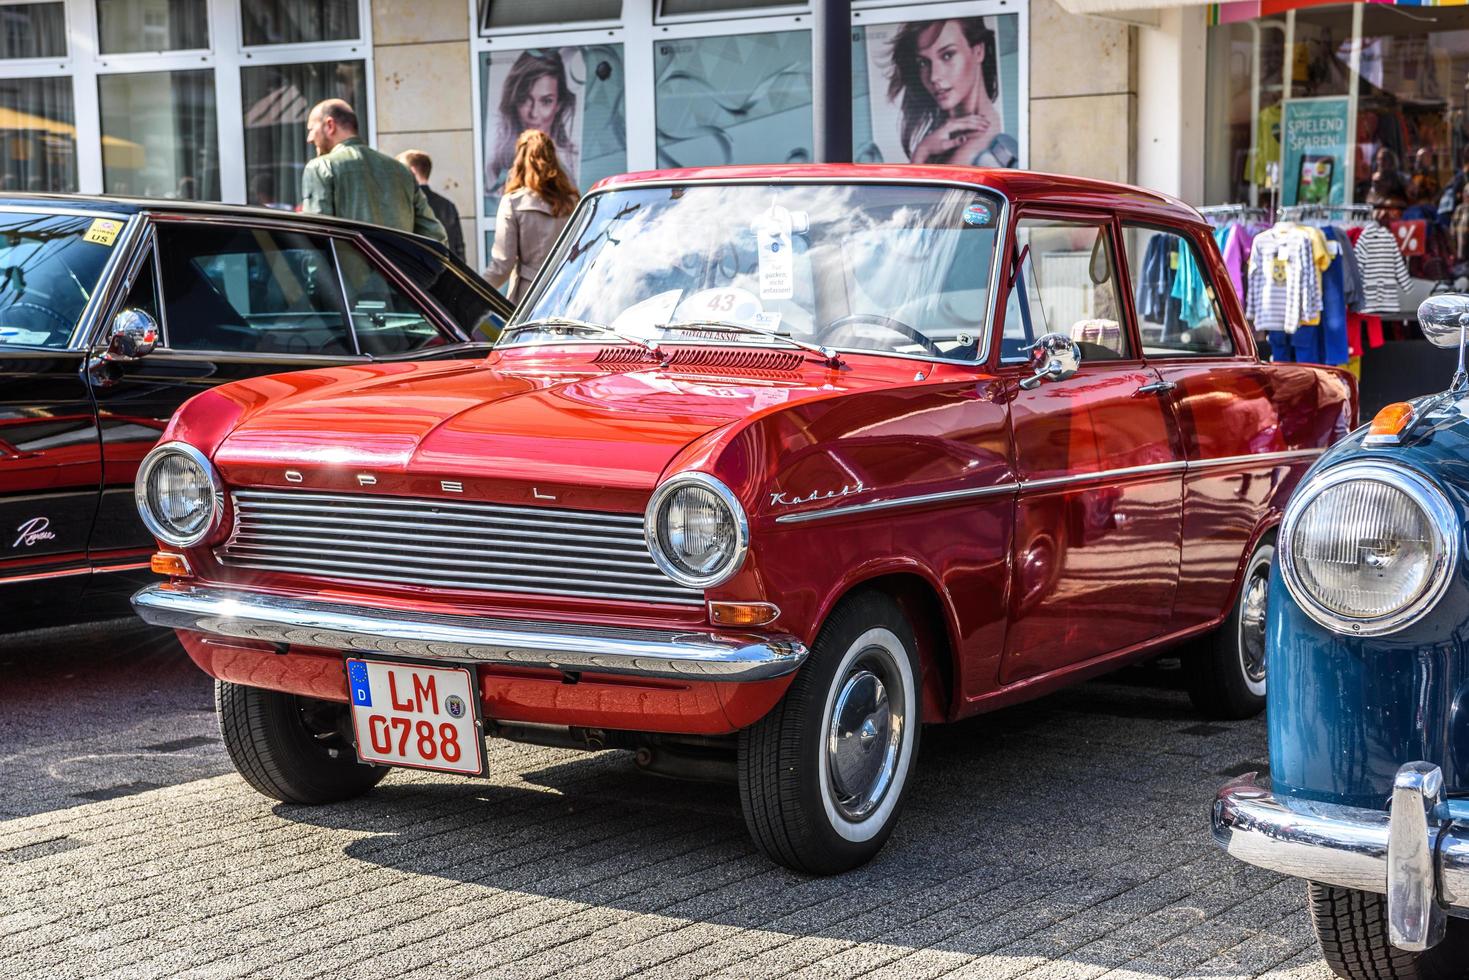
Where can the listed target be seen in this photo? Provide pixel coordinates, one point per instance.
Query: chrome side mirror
(1444, 320)
(134, 334)
(1054, 357)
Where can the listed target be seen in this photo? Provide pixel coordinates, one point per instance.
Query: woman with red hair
(537, 201)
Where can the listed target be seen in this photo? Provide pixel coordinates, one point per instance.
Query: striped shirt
(1384, 273)
(1284, 288)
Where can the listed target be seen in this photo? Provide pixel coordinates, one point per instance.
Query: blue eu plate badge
(358, 682)
(977, 215)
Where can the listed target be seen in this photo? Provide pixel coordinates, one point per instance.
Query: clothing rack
(1308, 212)
(1234, 212)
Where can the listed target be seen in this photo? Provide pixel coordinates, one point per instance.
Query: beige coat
(525, 229)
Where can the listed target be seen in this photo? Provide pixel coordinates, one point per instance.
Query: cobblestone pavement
(1062, 839)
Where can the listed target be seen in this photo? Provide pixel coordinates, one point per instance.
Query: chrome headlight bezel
(1424, 493)
(667, 566)
(145, 506)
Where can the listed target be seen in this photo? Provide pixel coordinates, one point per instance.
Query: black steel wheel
(292, 749)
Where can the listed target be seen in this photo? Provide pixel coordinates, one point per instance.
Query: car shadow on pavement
(1071, 828)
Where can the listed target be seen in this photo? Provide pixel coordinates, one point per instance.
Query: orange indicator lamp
(742, 613)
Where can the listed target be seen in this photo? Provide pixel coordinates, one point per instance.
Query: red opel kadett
(772, 466)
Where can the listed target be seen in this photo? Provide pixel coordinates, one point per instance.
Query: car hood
(555, 429)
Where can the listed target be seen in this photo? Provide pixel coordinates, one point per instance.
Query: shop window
(384, 319)
(244, 289)
(159, 135)
(1242, 125)
(1173, 293)
(276, 100)
(574, 94)
(33, 30)
(126, 26)
(945, 90)
(299, 21)
(742, 98)
(39, 149)
(501, 14)
(1066, 284)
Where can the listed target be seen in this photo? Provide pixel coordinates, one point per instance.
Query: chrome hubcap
(1252, 623)
(865, 735)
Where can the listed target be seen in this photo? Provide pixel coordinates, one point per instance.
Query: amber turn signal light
(742, 613)
(1389, 423)
(168, 563)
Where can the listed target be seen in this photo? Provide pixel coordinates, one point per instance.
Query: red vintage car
(772, 466)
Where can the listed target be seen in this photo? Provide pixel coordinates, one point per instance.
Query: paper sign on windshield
(776, 260)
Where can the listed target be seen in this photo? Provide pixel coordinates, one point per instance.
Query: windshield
(875, 267)
(49, 266)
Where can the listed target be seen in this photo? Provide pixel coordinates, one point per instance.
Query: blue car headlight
(1367, 548)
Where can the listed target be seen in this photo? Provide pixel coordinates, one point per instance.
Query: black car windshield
(49, 267)
(891, 268)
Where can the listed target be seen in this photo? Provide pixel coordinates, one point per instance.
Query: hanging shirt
(1284, 285)
(1384, 273)
(1351, 272)
(1157, 280)
(1189, 288)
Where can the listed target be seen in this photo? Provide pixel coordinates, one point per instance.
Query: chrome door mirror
(1054, 357)
(134, 334)
(1445, 322)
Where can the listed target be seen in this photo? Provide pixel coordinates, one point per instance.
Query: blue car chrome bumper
(1413, 852)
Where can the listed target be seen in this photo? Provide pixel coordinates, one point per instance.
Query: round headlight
(696, 530)
(178, 494)
(1367, 548)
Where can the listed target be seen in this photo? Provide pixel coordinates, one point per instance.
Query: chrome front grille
(462, 545)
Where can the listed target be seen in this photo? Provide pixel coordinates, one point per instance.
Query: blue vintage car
(1368, 647)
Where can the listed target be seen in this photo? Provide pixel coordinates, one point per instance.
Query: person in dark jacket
(422, 166)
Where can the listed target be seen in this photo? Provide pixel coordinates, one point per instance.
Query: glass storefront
(277, 99)
(159, 136)
(38, 147)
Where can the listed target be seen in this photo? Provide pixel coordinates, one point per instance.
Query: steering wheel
(886, 322)
(61, 320)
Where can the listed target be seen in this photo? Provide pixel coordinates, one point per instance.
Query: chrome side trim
(1050, 482)
(1285, 456)
(1347, 846)
(923, 498)
(472, 639)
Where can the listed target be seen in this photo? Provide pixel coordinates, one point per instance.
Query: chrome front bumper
(1412, 852)
(471, 639)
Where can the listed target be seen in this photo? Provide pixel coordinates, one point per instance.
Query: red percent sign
(1411, 235)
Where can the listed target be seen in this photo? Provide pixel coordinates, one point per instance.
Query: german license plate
(416, 716)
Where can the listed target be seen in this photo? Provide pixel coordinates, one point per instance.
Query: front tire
(823, 776)
(291, 749)
(1226, 672)
(1351, 927)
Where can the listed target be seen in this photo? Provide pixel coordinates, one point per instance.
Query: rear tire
(291, 749)
(1226, 671)
(1351, 927)
(823, 775)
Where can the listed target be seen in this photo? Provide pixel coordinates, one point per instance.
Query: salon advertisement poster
(1314, 140)
(938, 91)
(573, 94)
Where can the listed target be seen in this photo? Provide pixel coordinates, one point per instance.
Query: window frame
(1210, 280)
(430, 308)
(1107, 220)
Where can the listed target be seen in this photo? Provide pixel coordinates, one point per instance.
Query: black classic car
(114, 312)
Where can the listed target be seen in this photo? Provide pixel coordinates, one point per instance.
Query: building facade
(208, 99)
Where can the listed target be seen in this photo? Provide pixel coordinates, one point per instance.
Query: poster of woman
(938, 91)
(572, 94)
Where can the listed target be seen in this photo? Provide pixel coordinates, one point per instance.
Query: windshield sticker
(640, 318)
(103, 232)
(769, 322)
(978, 215)
(773, 246)
(721, 303)
(19, 335)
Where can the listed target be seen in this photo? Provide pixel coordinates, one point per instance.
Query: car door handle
(1156, 388)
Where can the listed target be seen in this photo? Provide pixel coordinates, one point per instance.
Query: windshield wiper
(828, 354)
(572, 322)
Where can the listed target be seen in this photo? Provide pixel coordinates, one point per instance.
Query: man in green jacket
(350, 179)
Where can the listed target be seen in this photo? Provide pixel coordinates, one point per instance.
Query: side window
(143, 294)
(385, 320)
(1178, 308)
(467, 302)
(1067, 284)
(251, 290)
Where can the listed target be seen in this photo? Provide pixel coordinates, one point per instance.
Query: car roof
(125, 207)
(1019, 186)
